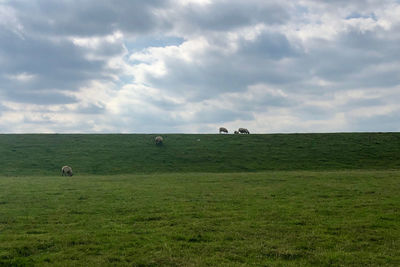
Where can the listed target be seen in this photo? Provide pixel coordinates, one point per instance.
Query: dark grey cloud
(62, 63)
(366, 102)
(354, 59)
(267, 46)
(353, 7)
(357, 15)
(52, 65)
(89, 17)
(39, 97)
(227, 15)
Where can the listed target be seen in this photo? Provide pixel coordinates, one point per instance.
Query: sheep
(66, 171)
(244, 131)
(159, 140)
(223, 130)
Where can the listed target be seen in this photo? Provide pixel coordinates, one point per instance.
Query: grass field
(273, 218)
(274, 200)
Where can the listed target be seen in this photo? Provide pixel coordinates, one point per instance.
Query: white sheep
(159, 140)
(66, 170)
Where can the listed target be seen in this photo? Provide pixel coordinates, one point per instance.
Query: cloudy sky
(133, 66)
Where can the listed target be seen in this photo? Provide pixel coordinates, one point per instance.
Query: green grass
(200, 200)
(45, 154)
(298, 218)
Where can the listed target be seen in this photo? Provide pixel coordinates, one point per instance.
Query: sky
(192, 66)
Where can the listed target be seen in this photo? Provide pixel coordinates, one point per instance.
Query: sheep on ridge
(244, 131)
(223, 130)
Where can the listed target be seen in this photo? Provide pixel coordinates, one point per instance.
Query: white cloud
(96, 41)
(21, 77)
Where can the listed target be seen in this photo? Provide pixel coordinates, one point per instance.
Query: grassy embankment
(119, 154)
(194, 217)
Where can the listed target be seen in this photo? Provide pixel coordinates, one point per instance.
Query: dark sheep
(223, 130)
(244, 131)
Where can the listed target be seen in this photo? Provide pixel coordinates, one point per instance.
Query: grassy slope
(348, 218)
(118, 154)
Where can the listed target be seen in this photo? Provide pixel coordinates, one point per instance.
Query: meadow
(251, 200)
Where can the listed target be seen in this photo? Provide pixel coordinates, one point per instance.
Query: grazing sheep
(244, 131)
(223, 130)
(159, 140)
(66, 171)
(236, 132)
